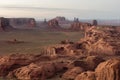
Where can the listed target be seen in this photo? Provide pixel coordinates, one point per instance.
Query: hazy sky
(90, 8)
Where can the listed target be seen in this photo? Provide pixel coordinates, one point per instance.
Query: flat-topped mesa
(102, 41)
(25, 22)
(4, 24)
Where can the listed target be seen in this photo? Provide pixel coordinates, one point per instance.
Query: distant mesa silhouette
(5, 24)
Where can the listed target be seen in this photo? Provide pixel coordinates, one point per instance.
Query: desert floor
(31, 41)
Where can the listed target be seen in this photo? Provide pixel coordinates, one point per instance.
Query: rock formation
(88, 63)
(38, 67)
(101, 41)
(22, 22)
(33, 71)
(9, 63)
(95, 42)
(72, 73)
(73, 61)
(109, 70)
(89, 75)
(93, 61)
(21, 66)
(79, 26)
(4, 24)
(95, 23)
(60, 18)
(53, 24)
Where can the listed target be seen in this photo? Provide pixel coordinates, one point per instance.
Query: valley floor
(31, 41)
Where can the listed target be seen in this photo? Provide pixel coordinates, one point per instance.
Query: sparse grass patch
(34, 40)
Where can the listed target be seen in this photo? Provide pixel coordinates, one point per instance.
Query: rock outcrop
(88, 63)
(5, 24)
(53, 24)
(38, 67)
(39, 71)
(89, 75)
(93, 61)
(9, 63)
(95, 42)
(99, 41)
(24, 66)
(33, 72)
(109, 70)
(72, 73)
(75, 61)
(77, 26)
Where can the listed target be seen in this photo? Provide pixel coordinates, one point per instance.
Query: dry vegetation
(94, 57)
(33, 40)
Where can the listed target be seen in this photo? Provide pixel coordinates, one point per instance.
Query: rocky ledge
(95, 57)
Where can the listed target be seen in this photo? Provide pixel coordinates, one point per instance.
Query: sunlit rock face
(89, 75)
(102, 41)
(57, 22)
(96, 41)
(108, 70)
(80, 26)
(5, 24)
(38, 67)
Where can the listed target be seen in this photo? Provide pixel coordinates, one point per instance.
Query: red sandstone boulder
(108, 70)
(49, 70)
(72, 73)
(33, 72)
(89, 75)
(93, 61)
(30, 72)
(9, 63)
(60, 66)
(89, 63)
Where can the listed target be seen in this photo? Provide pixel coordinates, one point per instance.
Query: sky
(85, 9)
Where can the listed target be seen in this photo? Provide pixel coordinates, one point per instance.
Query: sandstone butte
(4, 24)
(7, 24)
(82, 60)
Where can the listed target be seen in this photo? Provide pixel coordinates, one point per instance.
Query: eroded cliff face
(5, 24)
(37, 67)
(108, 70)
(30, 67)
(9, 23)
(102, 41)
(96, 42)
(80, 26)
(22, 22)
(53, 24)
